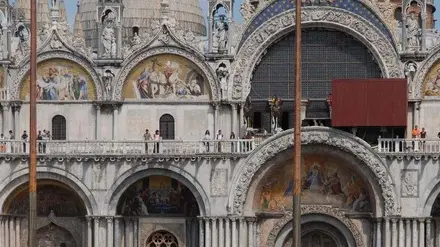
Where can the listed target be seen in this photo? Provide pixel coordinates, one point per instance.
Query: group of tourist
(8, 145)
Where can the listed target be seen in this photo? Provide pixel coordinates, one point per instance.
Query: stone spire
(77, 27)
(62, 8)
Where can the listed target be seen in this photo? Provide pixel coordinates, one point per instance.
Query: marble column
(416, 114)
(17, 122)
(214, 233)
(387, 232)
(235, 120)
(96, 232)
(394, 232)
(408, 232)
(11, 232)
(115, 122)
(228, 233)
(109, 231)
(401, 233)
(117, 232)
(378, 232)
(98, 122)
(250, 233)
(428, 233)
(254, 230)
(201, 233)
(127, 232)
(437, 233)
(221, 233)
(89, 232)
(404, 30)
(241, 121)
(6, 223)
(210, 37)
(422, 232)
(242, 232)
(207, 231)
(216, 119)
(5, 118)
(2, 231)
(17, 231)
(234, 232)
(414, 232)
(423, 43)
(135, 232)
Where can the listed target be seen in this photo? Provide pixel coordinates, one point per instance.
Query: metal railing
(127, 147)
(408, 146)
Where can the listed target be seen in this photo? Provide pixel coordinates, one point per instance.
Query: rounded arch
(135, 174)
(309, 214)
(21, 177)
(167, 127)
(428, 197)
(343, 141)
(165, 237)
(84, 63)
(382, 48)
(423, 71)
(138, 57)
(59, 127)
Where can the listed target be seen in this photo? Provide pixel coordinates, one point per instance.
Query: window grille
(162, 239)
(59, 128)
(166, 127)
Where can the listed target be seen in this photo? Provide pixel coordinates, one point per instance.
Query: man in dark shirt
(24, 138)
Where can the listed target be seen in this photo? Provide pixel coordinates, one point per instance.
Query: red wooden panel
(369, 102)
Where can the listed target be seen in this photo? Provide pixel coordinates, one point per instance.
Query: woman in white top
(156, 137)
(219, 137)
(207, 138)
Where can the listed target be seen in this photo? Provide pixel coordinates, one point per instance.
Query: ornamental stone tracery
(137, 58)
(253, 48)
(310, 136)
(315, 209)
(15, 87)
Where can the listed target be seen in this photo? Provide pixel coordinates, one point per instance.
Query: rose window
(162, 239)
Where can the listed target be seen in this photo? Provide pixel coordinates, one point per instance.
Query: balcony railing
(4, 94)
(409, 146)
(153, 148)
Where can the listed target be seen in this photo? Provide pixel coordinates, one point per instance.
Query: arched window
(135, 30)
(162, 239)
(59, 128)
(166, 127)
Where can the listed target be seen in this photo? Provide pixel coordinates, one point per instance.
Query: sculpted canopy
(60, 79)
(166, 77)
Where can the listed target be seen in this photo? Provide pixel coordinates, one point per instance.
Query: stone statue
(275, 108)
(221, 34)
(223, 75)
(413, 31)
(247, 10)
(108, 38)
(136, 42)
(44, 32)
(247, 111)
(107, 79)
(410, 71)
(22, 35)
(55, 43)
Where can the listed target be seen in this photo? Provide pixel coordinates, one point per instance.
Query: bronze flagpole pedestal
(297, 133)
(32, 241)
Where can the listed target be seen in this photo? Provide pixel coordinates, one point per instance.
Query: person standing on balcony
(415, 134)
(156, 138)
(207, 138)
(232, 137)
(423, 136)
(147, 137)
(2, 143)
(39, 139)
(219, 137)
(24, 138)
(11, 138)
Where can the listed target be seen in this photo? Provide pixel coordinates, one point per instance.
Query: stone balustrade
(401, 146)
(154, 148)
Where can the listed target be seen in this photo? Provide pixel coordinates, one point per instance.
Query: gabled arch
(343, 141)
(253, 48)
(59, 54)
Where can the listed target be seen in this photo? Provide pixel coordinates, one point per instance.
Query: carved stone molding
(253, 48)
(343, 141)
(139, 57)
(315, 209)
(15, 87)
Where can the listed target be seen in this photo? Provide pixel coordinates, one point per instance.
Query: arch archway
(278, 26)
(161, 239)
(379, 179)
(138, 173)
(167, 127)
(59, 128)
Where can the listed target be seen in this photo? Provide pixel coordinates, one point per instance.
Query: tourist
(24, 138)
(2, 144)
(39, 139)
(147, 137)
(415, 134)
(423, 136)
(207, 137)
(156, 138)
(232, 137)
(219, 137)
(11, 139)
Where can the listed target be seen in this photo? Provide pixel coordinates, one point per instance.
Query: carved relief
(99, 177)
(410, 72)
(223, 76)
(409, 183)
(315, 209)
(310, 136)
(279, 25)
(219, 182)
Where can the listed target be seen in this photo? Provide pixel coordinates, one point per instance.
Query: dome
(138, 15)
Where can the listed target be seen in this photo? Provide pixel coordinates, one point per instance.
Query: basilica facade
(214, 168)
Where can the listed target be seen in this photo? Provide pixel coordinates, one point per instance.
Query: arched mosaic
(431, 82)
(60, 79)
(158, 195)
(325, 181)
(166, 76)
(53, 197)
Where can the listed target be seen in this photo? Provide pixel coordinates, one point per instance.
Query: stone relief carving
(223, 76)
(283, 23)
(413, 32)
(247, 10)
(86, 64)
(129, 65)
(410, 71)
(311, 136)
(108, 38)
(107, 80)
(219, 183)
(315, 209)
(409, 183)
(20, 41)
(99, 177)
(55, 43)
(221, 34)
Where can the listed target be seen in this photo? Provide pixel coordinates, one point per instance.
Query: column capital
(394, 220)
(421, 220)
(378, 220)
(109, 219)
(5, 105)
(234, 107)
(428, 220)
